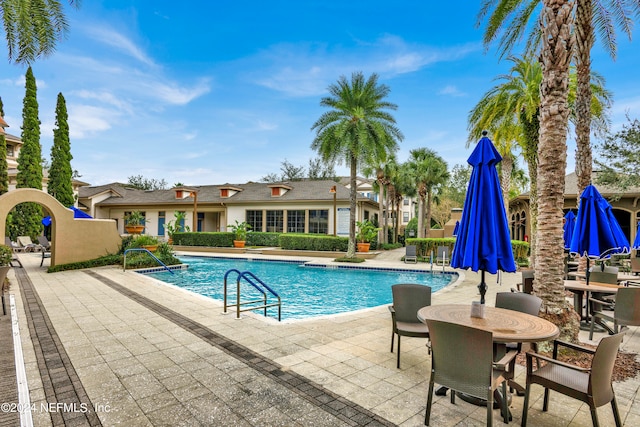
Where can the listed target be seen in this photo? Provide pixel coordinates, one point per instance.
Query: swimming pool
(307, 290)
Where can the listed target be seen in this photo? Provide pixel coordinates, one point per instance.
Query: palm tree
(381, 168)
(429, 171)
(32, 28)
(356, 130)
(516, 101)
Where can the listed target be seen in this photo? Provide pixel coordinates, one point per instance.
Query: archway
(72, 240)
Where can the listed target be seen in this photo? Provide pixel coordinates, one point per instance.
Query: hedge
(313, 242)
(426, 245)
(212, 239)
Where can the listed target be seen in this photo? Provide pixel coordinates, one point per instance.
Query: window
(295, 221)
(10, 152)
(254, 219)
(275, 221)
(405, 216)
(200, 221)
(161, 220)
(319, 221)
(405, 202)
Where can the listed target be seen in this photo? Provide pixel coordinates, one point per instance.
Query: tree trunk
(584, 43)
(353, 194)
(428, 221)
(532, 134)
(382, 222)
(552, 157)
(421, 212)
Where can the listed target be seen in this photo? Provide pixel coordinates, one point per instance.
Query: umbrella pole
(482, 287)
(588, 272)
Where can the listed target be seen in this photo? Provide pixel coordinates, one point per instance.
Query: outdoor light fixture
(335, 209)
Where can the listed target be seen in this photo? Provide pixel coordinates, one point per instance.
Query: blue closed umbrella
(568, 227)
(483, 242)
(456, 229)
(636, 241)
(595, 235)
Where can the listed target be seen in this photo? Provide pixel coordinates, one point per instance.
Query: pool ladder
(258, 284)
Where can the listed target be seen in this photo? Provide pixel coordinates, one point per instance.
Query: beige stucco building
(626, 208)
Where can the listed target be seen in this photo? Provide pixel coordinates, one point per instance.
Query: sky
(224, 92)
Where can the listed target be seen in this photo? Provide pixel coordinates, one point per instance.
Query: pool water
(306, 290)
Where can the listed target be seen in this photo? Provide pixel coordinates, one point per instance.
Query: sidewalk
(143, 353)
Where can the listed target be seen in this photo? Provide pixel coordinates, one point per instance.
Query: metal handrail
(124, 262)
(249, 277)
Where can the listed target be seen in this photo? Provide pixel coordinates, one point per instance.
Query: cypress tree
(4, 167)
(60, 172)
(28, 216)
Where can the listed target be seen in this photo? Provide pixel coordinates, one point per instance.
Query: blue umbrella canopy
(483, 242)
(568, 227)
(636, 241)
(597, 233)
(77, 213)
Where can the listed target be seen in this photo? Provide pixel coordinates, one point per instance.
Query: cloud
(86, 120)
(173, 93)
(451, 90)
(21, 80)
(264, 125)
(307, 69)
(104, 98)
(111, 37)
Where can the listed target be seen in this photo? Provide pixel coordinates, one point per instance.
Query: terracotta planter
(170, 240)
(363, 247)
(238, 243)
(151, 248)
(134, 229)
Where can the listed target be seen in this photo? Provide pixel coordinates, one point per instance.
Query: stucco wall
(72, 240)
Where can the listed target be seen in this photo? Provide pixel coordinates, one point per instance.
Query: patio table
(507, 326)
(579, 288)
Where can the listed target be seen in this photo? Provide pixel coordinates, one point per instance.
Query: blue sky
(221, 92)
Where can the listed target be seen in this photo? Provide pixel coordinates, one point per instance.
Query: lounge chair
(443, 256)
(44, 243)
(27, 244)
(592, 386)
(407, 300)
(524, 303)
(411, 254)
(13, 245)
(625, 313)
(463, 361)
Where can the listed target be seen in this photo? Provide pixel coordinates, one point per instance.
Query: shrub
(218, 239)
(143, 240)
(312, 242)
(354, 260)
(98, 262)
(256, 238)
(6, 253)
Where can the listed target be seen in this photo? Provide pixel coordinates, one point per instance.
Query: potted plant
(147, 242)
(240, 229)
(366, 233)
(175, 225)
(134, 222)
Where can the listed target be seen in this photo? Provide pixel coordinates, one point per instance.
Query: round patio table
(505, 325)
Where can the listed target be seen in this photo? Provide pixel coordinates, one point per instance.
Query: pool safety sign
(343, 222)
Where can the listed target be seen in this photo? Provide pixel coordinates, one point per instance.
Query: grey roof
(571, 188)
(252, 192)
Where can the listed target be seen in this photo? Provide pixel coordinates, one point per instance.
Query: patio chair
(407, 300)
(27, 244)
(443, 256)
(462, 359)
(589, 385)
(599, 300)
(524, 303)
(13, 245)
(526, 285)
(44, 243)
(411, 254)
(635, 266)
(3, 286)
(626, 312)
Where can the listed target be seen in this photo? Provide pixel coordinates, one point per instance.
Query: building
(286, 207)
(626, 208)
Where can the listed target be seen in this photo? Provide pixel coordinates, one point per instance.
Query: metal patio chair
(625, 313)
(411, 254)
